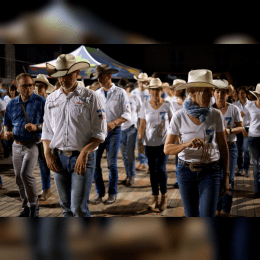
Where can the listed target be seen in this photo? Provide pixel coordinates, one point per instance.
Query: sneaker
(25, 213)
(239, 172)
(34, 212)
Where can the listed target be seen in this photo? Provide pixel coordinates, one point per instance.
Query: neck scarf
(195, 110)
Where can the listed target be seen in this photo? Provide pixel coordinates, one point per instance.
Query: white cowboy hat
(157, 83)
(102, 69)
(43, 78)
(65, 64)
(256, 93)
(143, 77)
(221, 83)
(178, 81)
(198, 79)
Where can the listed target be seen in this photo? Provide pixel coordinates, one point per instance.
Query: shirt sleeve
(237, 115)
(7, 118)
(174, 125)
(47, 133)
(126, 106)
(138, 104)
(98, 119)
(142, 111)
(220, 122)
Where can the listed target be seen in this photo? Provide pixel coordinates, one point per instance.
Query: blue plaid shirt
(14, 116)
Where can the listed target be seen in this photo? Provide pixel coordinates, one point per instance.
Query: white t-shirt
(176, 106)
(144, 95)
(254, 116)
(2, 108)
(135, 105)
(157, 122)
(246, 119)
(231, 117)
(171, 99)
(182, 126)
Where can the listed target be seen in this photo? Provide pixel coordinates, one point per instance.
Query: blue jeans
(1, 180)
(176, 163)
(243, 159)
(112, 144)
(127, 148)
(141, 157)
(74, 189)
(199, 190)
(157, 161)
(45, 174)
(225, 202)
(254, 144)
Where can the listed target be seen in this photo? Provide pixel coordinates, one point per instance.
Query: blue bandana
(195, 110)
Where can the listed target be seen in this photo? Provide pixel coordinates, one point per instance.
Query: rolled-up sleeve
(98, 119)
(47, 133)
(125, 106)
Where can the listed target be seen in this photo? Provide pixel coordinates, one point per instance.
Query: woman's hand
(141, 147)
(196, 143)
(224, 186)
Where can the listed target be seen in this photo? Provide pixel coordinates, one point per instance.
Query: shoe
(34, 212)
(25, 213)
(45, 194)
(130, 181)
(247, 174)
(140, 167)
(97, 200)
(154, 204)
(239, 172)
(111, 199)
(176, 185)
(125, 181)
(147, 170)
(163, 204)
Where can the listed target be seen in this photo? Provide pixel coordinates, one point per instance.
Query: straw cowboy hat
(221, 83)
(157, 83)
(198, 79)
(142, 77)
(256, 93)
(178, 82)
(123, 82)
(65, 64)
(42, 78)
(102, 69)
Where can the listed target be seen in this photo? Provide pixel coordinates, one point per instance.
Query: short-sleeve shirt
(144, 95)
(182, 126)
(246, 119)
(254, 112)
(157, 122)
(14, 116)
(231, 117)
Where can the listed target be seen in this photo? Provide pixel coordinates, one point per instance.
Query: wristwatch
(231, 130)
(39, 127)
(227, 172)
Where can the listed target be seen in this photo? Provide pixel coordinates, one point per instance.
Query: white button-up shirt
(71, 120)
(116, 104)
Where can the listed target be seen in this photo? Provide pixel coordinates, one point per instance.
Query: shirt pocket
(80, 113)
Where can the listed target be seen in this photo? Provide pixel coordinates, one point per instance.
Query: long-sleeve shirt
(71, 120)
(116, 103)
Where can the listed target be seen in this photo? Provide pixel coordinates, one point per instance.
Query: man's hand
(8, 135)
(111, 126)
(30, 127)
(81, 163)
(51, 162)
(141, 147)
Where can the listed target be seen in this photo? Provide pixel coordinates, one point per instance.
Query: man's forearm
(46, 147)
(119, 121)
(93, 143)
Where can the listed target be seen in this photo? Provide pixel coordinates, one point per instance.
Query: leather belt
(196, 166)
(69, 153)
(25, 143)
(231, 143)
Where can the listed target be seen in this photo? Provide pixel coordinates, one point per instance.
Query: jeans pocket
(179, 167)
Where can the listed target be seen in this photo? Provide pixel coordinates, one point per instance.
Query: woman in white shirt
(203, 150)
(155, 116)
(233, 126)
(129, 133)
(253, 108)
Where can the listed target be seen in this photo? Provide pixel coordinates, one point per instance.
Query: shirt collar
(31, 99)
(112, 89)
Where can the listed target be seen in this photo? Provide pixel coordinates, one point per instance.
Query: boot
(163, 204)
(45, 194)
(154, 204)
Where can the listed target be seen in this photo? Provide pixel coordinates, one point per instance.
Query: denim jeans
(254, 145)
(225, 202)
(157, 161)
(45, 174)
(112, 144)
(73, 189)
(127, 148)
(243, 159)
(199, 190)
(141, 157)
(1, 180)
(176, 163)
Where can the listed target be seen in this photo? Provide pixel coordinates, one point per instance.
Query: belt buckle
(193, 166)
(67, 153)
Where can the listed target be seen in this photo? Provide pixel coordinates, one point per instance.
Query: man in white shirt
(117, 111)
(73, 128)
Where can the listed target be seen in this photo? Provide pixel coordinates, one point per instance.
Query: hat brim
(110, 71)
(256, 94)
(54, 73)
(49, 85)
(195, 85)
(154, 87)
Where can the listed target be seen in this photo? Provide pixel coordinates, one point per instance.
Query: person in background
(203, 149)
(2, 113)
(250, 96)
(129, 133)
(143, 93)
(57, 86)
(243, 159)
(233, 126)
(11, 93)
(155, 116)
(117, 111)
(253, 109)
(95, 86)
(43, 88)
(3, 90)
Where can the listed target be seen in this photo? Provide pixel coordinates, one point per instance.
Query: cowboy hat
(65, 64)
(42, 78)
(157, 83)
(178, 82)
(198, 79)
(104, 68)
(256, 93)
(221, 83)
(123, 82)
(142, 77)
